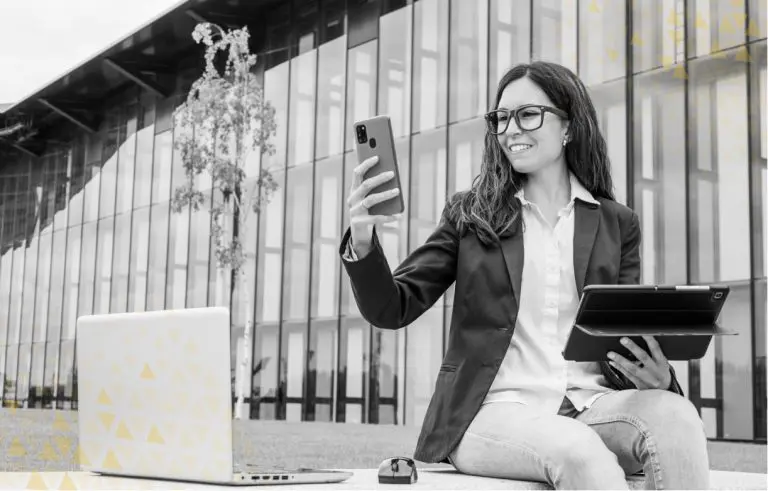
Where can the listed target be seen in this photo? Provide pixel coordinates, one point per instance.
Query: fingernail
(611, 355)
(396, 191)
(391, 174)
(624, 340)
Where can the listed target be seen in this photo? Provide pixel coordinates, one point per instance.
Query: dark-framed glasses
(528, 118)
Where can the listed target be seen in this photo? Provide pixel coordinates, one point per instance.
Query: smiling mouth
(517, 148)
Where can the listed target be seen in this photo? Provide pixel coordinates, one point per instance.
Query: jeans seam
(543, 462)
(647, 436)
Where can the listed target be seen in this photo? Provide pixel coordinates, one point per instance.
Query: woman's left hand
(649, 371)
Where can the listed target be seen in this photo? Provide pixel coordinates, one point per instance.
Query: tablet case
(682, 319)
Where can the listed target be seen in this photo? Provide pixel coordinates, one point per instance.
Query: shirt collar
(578, 191)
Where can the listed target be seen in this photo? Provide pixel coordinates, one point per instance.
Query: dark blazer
(488, 279)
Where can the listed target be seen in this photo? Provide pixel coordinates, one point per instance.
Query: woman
(538, 224)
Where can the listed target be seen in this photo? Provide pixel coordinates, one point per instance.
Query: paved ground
(38, 440)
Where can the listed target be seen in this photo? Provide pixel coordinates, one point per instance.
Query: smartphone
(374, 138)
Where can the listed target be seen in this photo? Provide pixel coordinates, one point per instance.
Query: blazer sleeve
(629, 273)
(393, 300)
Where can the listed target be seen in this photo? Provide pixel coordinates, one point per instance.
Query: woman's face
(531, 151)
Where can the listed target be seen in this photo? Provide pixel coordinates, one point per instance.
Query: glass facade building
(679, 87)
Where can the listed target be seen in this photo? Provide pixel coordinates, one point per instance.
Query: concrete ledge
(362, 479)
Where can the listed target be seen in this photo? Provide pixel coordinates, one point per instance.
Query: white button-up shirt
(533, 371)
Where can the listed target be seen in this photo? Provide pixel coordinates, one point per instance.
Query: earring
(565, 141)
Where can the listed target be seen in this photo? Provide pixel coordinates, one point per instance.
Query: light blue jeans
(623, 432)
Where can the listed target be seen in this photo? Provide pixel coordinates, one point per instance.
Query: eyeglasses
(528, 118)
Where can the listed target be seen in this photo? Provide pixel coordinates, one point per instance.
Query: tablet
(682, 319)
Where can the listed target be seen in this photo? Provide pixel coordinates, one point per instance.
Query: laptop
(155, 401)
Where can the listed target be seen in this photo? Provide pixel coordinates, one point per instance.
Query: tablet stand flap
(654, 330)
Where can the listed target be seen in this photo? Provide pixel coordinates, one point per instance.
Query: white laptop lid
(154, 394)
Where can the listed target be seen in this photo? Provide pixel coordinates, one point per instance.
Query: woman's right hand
(361, 222)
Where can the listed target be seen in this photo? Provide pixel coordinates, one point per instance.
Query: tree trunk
(243, 368)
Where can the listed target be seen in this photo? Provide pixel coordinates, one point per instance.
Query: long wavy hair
(489, 208)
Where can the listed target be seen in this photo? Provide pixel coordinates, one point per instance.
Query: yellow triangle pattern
(80, 456)
(110, 461)
(146, 373)
(637, 40)
(191, 348)
(59, 423)
(594, 7)
(700, 22)
(63, 444)
(680, 72)
(752, 30)
(743, 55)
(16, 449)
(106, 420)
(48, 454)
(67, 484)
(122, 432)
(613, 54)
(104, 398)
(154, 436)
(36, 481)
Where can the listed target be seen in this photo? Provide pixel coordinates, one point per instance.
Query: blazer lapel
(512, 247)
(585, 230)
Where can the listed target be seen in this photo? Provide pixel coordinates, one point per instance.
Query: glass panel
(602, 40)
(658, 130)
(429, 177)
(610, 104)
(715, 25)
(719, 197)
(297, 243)
(265, 362)
(302, 106)
(126, 159)
(158, 252)
(161, 170)
(137, 282)
(430, 66)
(103, 281)
(510, 38)
(61, 193)
(395, 69)
(24, 367)
(276, 84)
(758, 135)
(758, 18)
(77, 183)
(109, 167)
(293, 358)
(14, 321)
(11, 365)
(37, 394)
(144, 148)
(271, 255)
(330, 98)
(71, 284)
(178, 258)
(469, 62)
(736, 367)
(45, 261)
(51, 370)
(659, 34)
(361, 87)
(57, 285)
(28, 295)
(354, 353)
(199, 251)
(465, 154)
(760, 310)
(120, 263)
(554, 32)
(67, 377)
(88, 265)
(326, 266)
(322, 366)
(92, 177)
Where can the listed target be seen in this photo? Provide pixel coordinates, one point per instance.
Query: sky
(40, 40)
